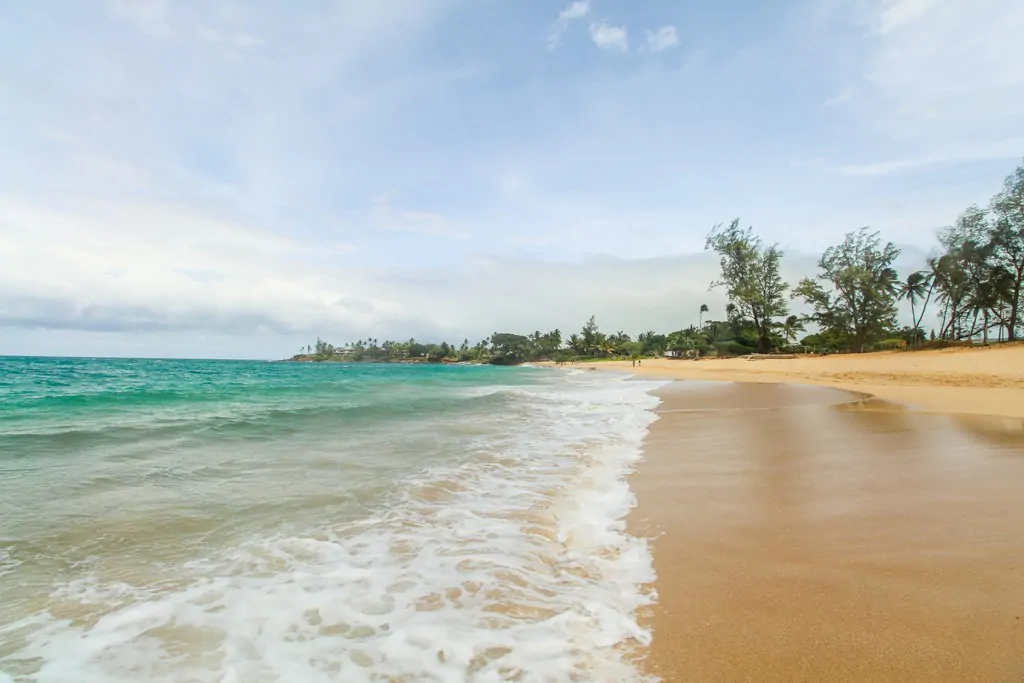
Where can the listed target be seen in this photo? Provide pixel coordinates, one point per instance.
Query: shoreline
(805, 528)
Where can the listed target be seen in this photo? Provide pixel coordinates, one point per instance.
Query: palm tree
(792, 327)
(919, 285)
(703, 310)
(990, 296)
(576, 344)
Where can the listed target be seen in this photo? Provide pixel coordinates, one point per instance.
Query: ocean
(251, 522)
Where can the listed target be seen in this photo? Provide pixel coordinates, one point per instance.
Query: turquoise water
(169, 520)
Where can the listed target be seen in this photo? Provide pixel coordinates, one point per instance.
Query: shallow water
(242, 521)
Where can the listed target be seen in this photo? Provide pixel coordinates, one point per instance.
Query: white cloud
(151, 16)
(388, 218)
(895, 14)
(228, 193)
(844, 95)
(236, 40)
(946, 74)
(156, 280)
(577, 10)
(249, 110)
(129, 269)
(609, 37)
(666, 37)
(122, 267)
(927, 83)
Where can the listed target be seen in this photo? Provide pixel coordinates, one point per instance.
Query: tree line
(729, 337)
(974, 277)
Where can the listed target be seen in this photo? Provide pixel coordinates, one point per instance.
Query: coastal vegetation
(751, 278)
(975, 277)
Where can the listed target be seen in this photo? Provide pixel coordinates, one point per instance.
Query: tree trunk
(857, 343)
(1011, 328)
(762, 333)
(949, 331)
(984, 332)
(913, 319)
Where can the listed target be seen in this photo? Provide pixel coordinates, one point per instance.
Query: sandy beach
(976, 381)
(807, 533)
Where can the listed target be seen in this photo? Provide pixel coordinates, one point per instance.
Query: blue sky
(233, 178)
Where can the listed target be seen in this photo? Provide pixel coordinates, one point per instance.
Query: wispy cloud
(1009, 150)
(895, 14)
(666, 37)
(577, 10)
(236, 40)
(191, 168)
(609, 37)
(387, 217)
(924, 84)
(844, 95)
(120, 268)
(150, 16)
(949, 71)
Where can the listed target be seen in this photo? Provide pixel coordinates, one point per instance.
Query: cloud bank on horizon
(217, 178)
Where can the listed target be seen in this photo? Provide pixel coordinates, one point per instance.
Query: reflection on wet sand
(807, 534)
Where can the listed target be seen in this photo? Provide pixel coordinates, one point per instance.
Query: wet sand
(801, 537)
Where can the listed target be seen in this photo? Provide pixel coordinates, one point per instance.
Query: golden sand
(804, 533)
(979, 381)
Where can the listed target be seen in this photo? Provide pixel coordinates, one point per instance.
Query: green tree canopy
(1008, 244)
(854, 293)
(507, 348)
(964, 273)
(592, 338)
(751, 277)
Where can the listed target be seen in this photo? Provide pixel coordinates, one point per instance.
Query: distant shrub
(824, 343)
(890, 344)
(943, 344)
(748, 339)
(732, 348)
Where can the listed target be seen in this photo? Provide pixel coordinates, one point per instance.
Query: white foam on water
(514, 566)
(8, 565)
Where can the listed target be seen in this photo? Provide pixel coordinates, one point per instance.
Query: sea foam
(512, 565)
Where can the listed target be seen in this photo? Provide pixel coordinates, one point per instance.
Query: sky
(228, 178)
